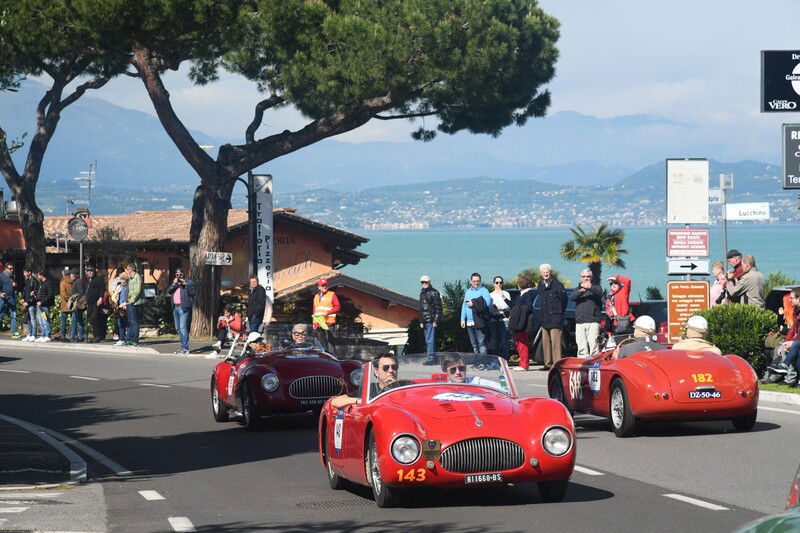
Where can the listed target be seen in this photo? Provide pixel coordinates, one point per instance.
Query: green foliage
(653, 293)
(776, 279)
(535, 277)
(741, 329)
(601, 246)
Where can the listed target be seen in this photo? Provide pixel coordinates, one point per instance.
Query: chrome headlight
(355, 377)
(270, 382)
(556, 441)
(405, 449)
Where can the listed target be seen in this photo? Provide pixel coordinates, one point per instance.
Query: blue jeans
(63, 315)
(430, 340)
(793, 355)
(181, 318)
(133, 321)
(122, 328)
(253, 323)
(44, 320)
(76, 325)
(9, 306)
(477, 338)
(499, 338)
(33, 321)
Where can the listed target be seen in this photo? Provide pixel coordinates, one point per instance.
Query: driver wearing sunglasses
(456, 369)
(384, 368)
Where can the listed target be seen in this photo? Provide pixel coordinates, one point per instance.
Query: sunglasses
(586, 276)
(498, 282)
(454, 369)
(386, 368)
(303, 333)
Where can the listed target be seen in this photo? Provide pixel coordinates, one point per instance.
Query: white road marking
(695, 501)
(154, 385)
(180, 523)
(85, 377)
(15, 371)
(760, 408)
(30, 495)
(13, 509)
(588, 471)
(112, 465)
(151, 495)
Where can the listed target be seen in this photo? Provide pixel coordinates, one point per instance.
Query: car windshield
(451, 368)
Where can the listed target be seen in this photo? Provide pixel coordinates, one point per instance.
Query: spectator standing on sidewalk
(119, 301)
(553, 300)
(325, 306)
(475, 315)
(77, 305)
(8, 300)
(29, 291)
(498, 319)
(588, 298)
(45, 298)
(95, 298)
(134, 300)
(717, 293)
(749, 288)
(430, 315)
(182, 291)
(735, 261)
(65, 290)
(520, 320)
(256, 304)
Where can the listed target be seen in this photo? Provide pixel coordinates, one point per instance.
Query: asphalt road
(150, 415)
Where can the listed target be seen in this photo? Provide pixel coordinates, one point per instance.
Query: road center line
(13, 509)
(154, 385)
(588, 471)
(695, 501)
(760, 408)
(85, 377)
(151, 495)
(15, 371)
(180, 523)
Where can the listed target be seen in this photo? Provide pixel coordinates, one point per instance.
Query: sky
(692, 61)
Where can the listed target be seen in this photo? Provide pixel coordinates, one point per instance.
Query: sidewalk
(197, 348)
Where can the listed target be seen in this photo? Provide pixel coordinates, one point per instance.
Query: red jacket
(235, 323)
(617, 302)
(793, 334)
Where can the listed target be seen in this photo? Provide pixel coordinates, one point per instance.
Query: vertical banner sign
(780, 81)
(687, 191)
(791, 156)
(262, 192)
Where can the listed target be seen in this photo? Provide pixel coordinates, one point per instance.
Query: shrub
(776, 279)
(741, 329)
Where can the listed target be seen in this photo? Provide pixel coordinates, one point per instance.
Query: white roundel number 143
(575, 391)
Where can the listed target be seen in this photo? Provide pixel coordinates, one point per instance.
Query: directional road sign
(219, 258)
(687, 266)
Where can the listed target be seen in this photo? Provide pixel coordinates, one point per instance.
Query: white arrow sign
(219, 258)
(687, 266)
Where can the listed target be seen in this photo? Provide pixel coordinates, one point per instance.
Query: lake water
(398, 258)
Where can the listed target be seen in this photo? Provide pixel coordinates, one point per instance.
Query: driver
(384, 368)
(456, 368)
(300, 338)
(642, 341)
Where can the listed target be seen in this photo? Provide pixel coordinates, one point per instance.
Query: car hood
(291, 365)
(446, 402)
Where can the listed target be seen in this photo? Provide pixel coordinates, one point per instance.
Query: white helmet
(645, 323)
(697, 323)
(253, 336)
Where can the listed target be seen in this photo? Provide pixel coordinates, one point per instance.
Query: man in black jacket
(45, 298)
(553, 300)
(29, 302)
(588, 298)
(430, 303)
(256, 304)
(95, 292)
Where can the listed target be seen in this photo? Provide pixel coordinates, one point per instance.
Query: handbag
(623, 325)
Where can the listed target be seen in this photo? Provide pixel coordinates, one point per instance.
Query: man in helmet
(696, 328)
(642, 341)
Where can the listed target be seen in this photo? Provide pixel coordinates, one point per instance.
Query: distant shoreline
(566, 227)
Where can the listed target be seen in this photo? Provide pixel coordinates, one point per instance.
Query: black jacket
(480, 312)
(257, 302)
(45, 294)
(430, 303)
(588, 304)
(520, 318)
(95, 289)
(553, 301)
(31, 285)
(6, 286)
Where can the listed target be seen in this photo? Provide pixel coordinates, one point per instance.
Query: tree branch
(91, 84)
(262, 106)
(405, 115)
(7, 167)
(200, 161)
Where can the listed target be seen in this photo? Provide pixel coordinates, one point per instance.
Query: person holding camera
(588, 298)
(182, 291)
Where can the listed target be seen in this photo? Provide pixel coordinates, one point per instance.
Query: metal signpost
(215, 259)
(685, 298)
(725, 184)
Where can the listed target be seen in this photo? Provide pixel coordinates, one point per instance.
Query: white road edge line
(112, 465)
(15, 371)
(85, 377)
(180, 523)
(588, 471)
(13, 509)
(151, 495)
(537, 385)
(77, 466)
(760, 408)
(154, 385)
(695, 501)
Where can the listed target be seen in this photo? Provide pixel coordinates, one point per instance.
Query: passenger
(384, 368)
(696, 328)
(642, 341)
(300, 338)
(456, 369)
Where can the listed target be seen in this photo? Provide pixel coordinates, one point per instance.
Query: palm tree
(601, 246)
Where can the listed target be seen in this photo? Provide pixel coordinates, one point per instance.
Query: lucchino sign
(780, 81)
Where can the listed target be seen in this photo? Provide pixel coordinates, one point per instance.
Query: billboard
(791, 156)
(687, 191)
(780, 81)
(262, 202)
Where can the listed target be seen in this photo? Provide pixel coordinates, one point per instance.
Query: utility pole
(725, 183)
(88, 177)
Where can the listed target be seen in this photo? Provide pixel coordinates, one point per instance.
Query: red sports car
(289, 380)
(429, 431)
(659, 385)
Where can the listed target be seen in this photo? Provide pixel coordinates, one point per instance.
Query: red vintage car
(431, 432)
(661, 385)
(289, 380)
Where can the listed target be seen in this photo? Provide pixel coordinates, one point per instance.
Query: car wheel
(557, 393)
(384, 496)
(217, 408)
(622, 419)
(335, 482)
(746, 422)
(250, 414)
(553, 491)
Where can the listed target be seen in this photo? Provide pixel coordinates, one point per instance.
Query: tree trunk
(31, 219)
(596, 269)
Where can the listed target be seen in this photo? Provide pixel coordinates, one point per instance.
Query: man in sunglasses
(456, 369)
(301, 339)
(384, 368)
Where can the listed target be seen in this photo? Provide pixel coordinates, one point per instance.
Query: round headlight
(270, 382)
(405, 449)
(556, 441)
(355, 377)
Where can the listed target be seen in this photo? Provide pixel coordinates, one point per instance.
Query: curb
(77, 466)
(779, 397)
(77, 347)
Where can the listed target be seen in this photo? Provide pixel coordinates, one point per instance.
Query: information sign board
(747, 211)
(687, 243)
(714, 196)
(685, 298)
(687, 191)
(780, 81)
(791, 156)
(262, 200)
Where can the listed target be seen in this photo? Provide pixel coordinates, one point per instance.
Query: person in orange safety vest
(323, 315)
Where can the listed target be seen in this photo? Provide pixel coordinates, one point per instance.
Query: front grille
(482, 455)
(315, 387)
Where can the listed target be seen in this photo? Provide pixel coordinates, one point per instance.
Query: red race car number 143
(413, 474)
